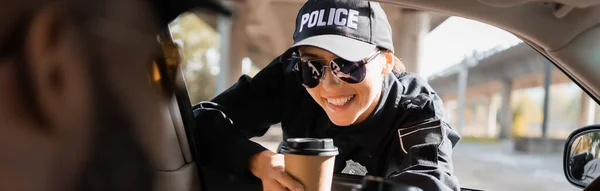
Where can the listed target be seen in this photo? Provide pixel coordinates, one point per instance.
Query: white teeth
(340, 101)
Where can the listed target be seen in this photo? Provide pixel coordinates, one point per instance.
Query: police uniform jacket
(405, 138)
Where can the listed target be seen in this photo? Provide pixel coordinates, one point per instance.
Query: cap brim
(343, 47)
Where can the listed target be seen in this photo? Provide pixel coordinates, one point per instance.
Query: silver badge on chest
(354, 168)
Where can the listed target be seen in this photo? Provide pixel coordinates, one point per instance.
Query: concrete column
(224, 29)
(462, 98)
(233, 46)
(587, 112)
(547, 83)
(409, 32)
(597, 109)
(239, 43)
(505, 112)
(591, 109)
(492, 116)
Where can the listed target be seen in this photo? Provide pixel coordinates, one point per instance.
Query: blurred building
(514, 93)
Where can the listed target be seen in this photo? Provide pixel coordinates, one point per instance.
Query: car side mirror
(581, 161)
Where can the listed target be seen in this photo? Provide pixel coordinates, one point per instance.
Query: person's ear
(58, 74)
(389, 63)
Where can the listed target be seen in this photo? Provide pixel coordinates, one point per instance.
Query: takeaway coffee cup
(310, 161)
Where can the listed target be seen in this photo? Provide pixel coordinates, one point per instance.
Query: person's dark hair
(13, 40)
(12, 45)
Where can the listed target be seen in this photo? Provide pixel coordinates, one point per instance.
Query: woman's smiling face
(347, 103)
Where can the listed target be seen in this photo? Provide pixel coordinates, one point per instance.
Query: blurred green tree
(197, 38)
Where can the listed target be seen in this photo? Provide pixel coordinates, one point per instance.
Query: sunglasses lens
(350, 72)
(309, 73)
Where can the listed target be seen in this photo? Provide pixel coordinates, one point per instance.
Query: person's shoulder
(417, 98)
(422, 107)
(414, 87)
(413, 83)
(408, 75)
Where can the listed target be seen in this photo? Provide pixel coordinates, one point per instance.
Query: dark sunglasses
(310, 72)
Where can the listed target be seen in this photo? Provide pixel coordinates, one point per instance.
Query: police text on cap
(338, 17)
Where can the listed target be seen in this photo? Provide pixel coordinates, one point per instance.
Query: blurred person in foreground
(339, 80)
(76, 105)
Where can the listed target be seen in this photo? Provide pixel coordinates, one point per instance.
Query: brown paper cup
(311, 162)
(314, 172)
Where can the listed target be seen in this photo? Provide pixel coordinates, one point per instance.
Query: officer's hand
(269, 167)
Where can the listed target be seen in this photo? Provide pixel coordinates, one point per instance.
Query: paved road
(493, 166)
(496, 167)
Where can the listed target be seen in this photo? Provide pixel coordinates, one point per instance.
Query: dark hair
(13, 41)
(12, 47)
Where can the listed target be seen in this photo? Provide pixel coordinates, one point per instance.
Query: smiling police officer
(339, 80)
